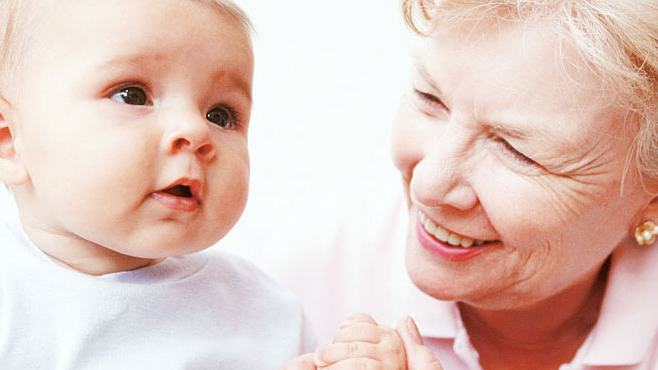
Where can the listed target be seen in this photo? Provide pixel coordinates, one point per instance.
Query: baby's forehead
(39, 14)
(126, 32)
(80, 21)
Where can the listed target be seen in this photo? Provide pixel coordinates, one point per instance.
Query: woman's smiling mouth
(446, 236)
(448, 245)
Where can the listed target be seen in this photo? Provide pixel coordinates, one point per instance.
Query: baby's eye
(132, 95)
(222, 116)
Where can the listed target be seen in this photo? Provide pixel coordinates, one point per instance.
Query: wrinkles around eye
(429, 100)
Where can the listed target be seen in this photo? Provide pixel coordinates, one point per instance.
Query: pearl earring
(646, 233)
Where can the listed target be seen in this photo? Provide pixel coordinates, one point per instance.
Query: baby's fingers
(356, 363)
(361, 332)
(358, 317)
(304, 362)
(338, 352)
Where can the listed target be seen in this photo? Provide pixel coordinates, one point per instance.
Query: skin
(497, 139)
(84, 163)
(361, 343)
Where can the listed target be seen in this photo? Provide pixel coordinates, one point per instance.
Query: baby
(123, 139)
(361, 343)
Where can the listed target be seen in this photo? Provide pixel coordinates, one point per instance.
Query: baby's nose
(193, 135)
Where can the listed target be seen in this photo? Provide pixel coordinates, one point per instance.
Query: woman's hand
(363, 344)
(419, 357)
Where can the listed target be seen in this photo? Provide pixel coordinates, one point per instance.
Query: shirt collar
(627, 324)
(435, 318)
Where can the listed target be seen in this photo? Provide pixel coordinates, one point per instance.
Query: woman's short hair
(618, 39)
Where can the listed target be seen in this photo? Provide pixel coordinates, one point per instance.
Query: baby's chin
(161, 248)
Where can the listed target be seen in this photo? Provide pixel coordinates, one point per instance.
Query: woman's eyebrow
(507, 130)
(494, 125)
(420, 68)
(513, 129)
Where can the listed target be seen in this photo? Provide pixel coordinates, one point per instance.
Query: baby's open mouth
(182, 195)
(179, 191)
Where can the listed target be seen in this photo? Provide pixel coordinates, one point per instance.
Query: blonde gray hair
(617, 38)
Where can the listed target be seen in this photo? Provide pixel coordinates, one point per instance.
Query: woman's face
(506, 141)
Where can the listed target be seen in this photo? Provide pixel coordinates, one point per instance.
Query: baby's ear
(12, 170)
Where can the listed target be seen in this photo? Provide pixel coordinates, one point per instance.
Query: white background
(328, 78)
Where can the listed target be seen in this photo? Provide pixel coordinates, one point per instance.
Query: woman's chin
(449, 281)
(433, 280)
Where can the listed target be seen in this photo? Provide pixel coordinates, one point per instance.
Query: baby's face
(132, 126)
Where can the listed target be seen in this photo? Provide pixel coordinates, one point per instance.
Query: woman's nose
(190, 133)
(440, 177)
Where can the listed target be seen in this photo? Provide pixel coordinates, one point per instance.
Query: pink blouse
(357, 264)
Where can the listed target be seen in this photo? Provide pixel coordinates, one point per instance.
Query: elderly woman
(527, 145)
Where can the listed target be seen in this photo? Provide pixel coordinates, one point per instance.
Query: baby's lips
(193, 184)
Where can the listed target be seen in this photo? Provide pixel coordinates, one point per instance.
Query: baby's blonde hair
(18, 19)
(617, 38)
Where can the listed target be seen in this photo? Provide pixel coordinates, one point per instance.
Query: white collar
(624, 333)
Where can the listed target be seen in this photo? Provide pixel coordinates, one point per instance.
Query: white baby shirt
(205, 311)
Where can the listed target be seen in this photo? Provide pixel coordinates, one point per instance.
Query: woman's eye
(515, 153)
(429, 100)
(223, 117)
(132, 95)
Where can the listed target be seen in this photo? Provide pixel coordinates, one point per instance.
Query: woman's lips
(446, 251)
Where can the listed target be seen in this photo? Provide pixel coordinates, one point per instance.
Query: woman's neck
(543, 336)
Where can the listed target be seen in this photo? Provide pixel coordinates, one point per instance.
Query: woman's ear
(645, 230)
(650, 212)
(12, 170)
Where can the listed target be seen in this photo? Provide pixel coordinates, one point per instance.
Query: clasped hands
(363, 344)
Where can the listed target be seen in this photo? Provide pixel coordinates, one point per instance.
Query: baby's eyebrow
(129, 60)
(235, 79)
(221, 77)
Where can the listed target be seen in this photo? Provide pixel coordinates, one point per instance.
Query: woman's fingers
(304, 362)
(419, 357)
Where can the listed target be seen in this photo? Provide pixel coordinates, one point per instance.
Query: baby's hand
(303, 362)
(362, 344)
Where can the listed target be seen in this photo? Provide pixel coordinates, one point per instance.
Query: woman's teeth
(446, 236)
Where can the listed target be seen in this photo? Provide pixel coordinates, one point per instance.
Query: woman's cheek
(518, 208)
